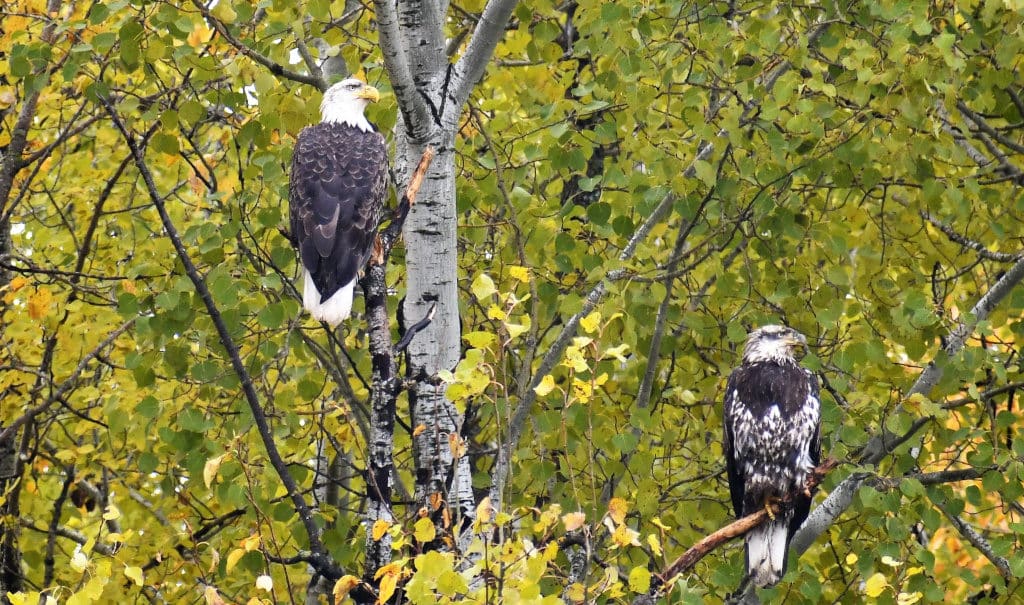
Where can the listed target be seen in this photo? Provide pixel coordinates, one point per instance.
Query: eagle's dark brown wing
(337, 193)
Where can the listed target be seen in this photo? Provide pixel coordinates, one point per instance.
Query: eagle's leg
(770, 501)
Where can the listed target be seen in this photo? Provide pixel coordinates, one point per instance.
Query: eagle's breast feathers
(772, 417)
(337, 192)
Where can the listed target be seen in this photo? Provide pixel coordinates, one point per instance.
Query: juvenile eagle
(337, 192)
(772, 421)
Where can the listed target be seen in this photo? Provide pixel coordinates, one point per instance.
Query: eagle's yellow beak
(369, 93)
(798, 342)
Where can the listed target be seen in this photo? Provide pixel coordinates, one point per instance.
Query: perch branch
(735, 529)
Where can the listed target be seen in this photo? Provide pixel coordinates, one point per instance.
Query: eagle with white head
(336, 196)
(772, 424)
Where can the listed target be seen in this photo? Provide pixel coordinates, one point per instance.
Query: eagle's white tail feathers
(335, 309)
(766, 552)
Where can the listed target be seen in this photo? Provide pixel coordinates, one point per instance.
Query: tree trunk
(431, 270)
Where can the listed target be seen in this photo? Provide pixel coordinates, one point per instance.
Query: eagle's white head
(345, 101)
(773, 343)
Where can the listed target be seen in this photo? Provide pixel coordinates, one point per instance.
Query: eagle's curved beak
(369, 93)
(797, 341)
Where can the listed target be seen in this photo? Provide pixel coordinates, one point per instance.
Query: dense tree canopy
(623, 190)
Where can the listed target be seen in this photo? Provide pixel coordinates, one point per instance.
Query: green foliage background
(851, 170)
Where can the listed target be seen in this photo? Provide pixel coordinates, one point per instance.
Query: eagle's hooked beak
(369, 93)
(797, 342)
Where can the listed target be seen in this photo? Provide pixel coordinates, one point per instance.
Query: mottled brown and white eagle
(772, 422)
(337, 193)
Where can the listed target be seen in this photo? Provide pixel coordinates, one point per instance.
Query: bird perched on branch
(772, 422)
(337, 193)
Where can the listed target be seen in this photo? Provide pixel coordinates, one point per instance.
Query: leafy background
(852, 171)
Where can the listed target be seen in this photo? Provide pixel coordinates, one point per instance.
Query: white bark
(431, 95)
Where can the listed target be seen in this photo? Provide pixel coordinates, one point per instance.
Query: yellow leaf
(875, 585)
(548, 518)
(547, 384)
(233, 558)
(387, 588)
(519, 273)
(908, 598)
(419, 430)
(424, 530)
(913, 571)
(657, 523)
(111, 513)
(223, 12)
(199, 36)
(479, 340)
(851, 559)
(483, 286)
(574, 521)
(484, 510)
(617, 509)
(496, 312)
(211, 468)
(639, 580)
(591, 322)
(39, 303)
(515, 330)
(343, 586)
(625, 536)
(618, 352)
(212, 597)
(887, 560)
(251, 543)
(17, 283)
(388, 576)
(576, 592)
(380, 527)
(655, 544)
(134, 574)
(20, 598)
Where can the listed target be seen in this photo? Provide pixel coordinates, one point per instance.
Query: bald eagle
(337, 192)
(772, 421)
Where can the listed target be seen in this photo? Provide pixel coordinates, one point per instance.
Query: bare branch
(322, 561)
(884, 443)
(735, 529)
(976, 539)
(471, 65)
(73, 535)
(966, 242)
(396, 59)
(380, 470)
(275, 68)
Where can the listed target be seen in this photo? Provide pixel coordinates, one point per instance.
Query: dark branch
(322, 563)
(735, 529)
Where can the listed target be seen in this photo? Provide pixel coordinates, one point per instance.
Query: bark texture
(431, 93)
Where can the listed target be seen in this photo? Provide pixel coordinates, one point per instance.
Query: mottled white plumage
(772, 416)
